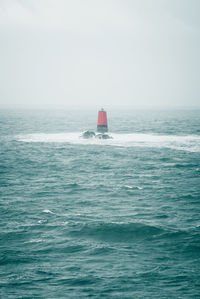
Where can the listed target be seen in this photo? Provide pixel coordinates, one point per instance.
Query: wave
(131, 232)
(189, 143)
(115, 232)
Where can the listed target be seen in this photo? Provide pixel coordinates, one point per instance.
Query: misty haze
(93, 53)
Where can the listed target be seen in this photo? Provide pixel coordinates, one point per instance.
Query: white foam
(139, 188)
(129, 187)
(186, 143)
(47, 211)
(133, 187)
(34, 241)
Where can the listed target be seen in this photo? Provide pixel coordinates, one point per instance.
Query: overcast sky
(93, 53)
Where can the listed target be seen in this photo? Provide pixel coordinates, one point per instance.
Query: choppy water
(93, 218)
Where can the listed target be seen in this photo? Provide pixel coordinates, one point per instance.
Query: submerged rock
(91, 134)
(88, 134)
(103, 136)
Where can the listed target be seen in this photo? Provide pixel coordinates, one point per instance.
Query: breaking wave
(189, 143)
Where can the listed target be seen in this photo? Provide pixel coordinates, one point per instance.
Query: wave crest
(116, 232)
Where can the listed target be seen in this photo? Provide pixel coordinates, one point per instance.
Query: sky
(94, 53)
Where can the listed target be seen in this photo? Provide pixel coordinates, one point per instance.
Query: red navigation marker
(102, 125)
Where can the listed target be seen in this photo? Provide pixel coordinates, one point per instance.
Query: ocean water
(116, 218)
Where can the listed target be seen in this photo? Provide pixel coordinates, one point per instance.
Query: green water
(114, 218)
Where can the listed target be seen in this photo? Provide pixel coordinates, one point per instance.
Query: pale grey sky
(93, 53)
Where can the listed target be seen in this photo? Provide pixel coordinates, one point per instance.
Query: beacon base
(102, 128)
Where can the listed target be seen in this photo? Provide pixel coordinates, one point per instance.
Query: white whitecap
(129, 187)
(47, 211)
(189, 143)
(138, 187)
(133, 187)
(35, 241)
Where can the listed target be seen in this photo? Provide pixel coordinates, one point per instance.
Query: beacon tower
(102, 125)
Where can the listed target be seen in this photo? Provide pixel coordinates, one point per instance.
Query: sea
(117, 218)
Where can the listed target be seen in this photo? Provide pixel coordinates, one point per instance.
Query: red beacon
(102, 128)
(102, 125)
